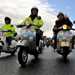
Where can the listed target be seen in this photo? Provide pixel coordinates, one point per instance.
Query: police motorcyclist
(11, 30)
(62, 19)
(36, 21)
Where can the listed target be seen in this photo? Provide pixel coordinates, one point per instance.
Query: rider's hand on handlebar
(29, 26)
(9, 31)
(39, 17)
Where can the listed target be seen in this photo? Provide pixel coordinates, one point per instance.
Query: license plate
(65, 44)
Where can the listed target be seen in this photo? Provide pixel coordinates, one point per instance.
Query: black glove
(39, 17)
(15, 34)
(29, 26)
(9, 31)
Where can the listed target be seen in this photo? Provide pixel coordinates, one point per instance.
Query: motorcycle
(4, 46)
(27, 44)
(64, 41)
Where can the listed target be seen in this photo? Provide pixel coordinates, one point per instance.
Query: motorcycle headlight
(65, 26)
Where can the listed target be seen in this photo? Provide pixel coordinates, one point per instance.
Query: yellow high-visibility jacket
(9, 27)
(36, 22)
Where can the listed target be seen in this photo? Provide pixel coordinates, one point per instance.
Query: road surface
(49, 63)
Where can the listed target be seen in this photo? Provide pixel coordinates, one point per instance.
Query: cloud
(19, 9)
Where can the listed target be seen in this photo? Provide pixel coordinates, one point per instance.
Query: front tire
(65, 56)
(22, 57)
(13, 53)
(36, 56)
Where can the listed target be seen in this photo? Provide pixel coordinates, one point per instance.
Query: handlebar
(27, 26)
(72, 29)
(20, 26)
(66, 29)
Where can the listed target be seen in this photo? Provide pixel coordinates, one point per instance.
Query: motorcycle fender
(22, 43)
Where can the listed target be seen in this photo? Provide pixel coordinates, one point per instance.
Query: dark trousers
(8, 40)
(39, 34)
(55, 41)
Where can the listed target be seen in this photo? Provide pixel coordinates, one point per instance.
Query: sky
(65, 6)
(18, 10)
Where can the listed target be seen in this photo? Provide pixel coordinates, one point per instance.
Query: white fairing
(64, 35)
(13, 44)
(27, 35)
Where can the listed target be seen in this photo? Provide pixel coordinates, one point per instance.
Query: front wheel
(22, 57)
(65, 56)
(36, 56)
(13, 53)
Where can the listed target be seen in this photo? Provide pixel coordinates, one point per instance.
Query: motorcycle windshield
(28, 34)
(62, 35)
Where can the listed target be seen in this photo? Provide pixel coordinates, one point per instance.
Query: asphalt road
(49, 63)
